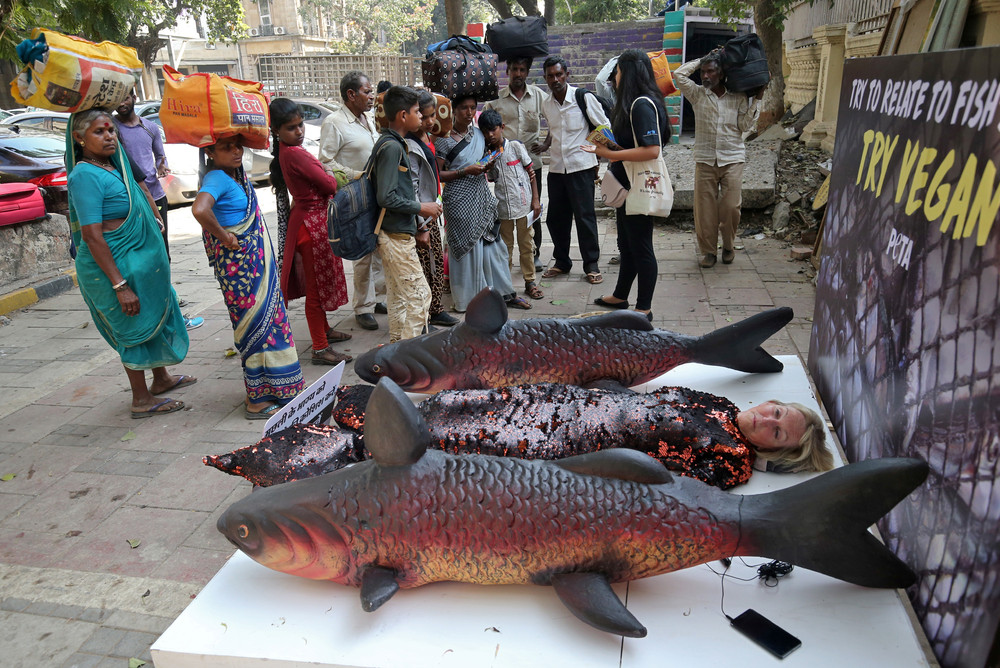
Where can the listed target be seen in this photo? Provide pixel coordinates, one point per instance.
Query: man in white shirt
(520, 107)
(571, 172)
(721, 119)
(345, 143)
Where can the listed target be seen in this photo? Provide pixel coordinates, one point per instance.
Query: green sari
(157, 335)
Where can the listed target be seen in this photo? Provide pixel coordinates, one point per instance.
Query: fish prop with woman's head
(412, 516)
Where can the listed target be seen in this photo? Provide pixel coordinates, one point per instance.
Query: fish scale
(515, 538)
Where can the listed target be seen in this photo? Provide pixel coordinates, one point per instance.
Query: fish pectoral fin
(618, 463)
(487, 312)
(589, 596)
(378, 584)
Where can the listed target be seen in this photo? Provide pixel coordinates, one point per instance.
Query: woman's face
(293, 131)
(100, 139)
(465, 111)
(227, 153)
(771, 426)
(427, 116)
(617, 77)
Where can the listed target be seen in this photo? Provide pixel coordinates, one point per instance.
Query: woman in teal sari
(239, 250)
(121, 263)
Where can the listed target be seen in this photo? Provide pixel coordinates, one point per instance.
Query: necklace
(103, 165)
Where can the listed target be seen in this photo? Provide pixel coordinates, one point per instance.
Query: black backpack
(581, 101)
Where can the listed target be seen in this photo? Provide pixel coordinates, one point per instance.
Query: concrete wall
(588, 46)
(30, 252)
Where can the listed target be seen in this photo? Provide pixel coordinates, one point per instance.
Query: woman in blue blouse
(239, 250)
(121, 263)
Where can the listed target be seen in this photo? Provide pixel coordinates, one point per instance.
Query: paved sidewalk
(88, 480)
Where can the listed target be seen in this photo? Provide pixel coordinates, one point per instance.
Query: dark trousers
(536, 227)
(161, 204)
(635, 243)
(572, 196)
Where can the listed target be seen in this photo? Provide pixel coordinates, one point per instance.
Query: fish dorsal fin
(395, 432)
(621, 320)
(620, 464)
(378, 584)
(487, 312)
(589, 596)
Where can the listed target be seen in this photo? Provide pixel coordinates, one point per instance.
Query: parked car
(314, 112)
(55, 121)
(35, 156)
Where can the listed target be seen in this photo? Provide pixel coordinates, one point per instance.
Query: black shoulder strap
(456, 149)
(581, 101)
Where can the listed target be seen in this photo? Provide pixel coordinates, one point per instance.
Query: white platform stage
(249, 615)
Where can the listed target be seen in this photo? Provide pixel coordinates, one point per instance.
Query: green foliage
(376, 25)
(600, 11)
(135, 23)
(731, 12)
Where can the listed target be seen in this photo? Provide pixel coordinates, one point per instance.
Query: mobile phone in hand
(766, 633)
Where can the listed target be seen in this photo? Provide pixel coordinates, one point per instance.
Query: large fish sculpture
(412, 516)
(487, 350)
(690, 432)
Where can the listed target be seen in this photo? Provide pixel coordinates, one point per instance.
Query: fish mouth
(302, 543)
(415, 370)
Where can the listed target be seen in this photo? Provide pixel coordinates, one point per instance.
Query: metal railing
(319, 76)
(805, 16)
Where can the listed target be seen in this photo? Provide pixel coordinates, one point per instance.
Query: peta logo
(900, 248)
(652, 182)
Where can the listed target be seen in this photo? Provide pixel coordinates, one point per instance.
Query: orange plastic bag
(201, 108)
(661, 69)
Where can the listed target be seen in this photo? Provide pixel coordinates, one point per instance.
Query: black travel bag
(745, 64)
(525, 36)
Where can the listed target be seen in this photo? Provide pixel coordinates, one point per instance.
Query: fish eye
(242, 531)
(376, 368)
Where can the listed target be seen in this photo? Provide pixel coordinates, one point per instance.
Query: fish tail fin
(737, 346)
(225, 463)
(822, 524)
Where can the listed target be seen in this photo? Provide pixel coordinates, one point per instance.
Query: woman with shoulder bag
(639, 124)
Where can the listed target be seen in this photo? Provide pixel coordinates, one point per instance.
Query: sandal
(155, 410)
(518, 302)
(329, 357)
(262, 414)
(601, 301)
(336, 336)
(532, 290)
(552, 272)
(182, 381)
(594, 277)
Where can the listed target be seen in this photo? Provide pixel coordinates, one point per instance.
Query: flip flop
(518, 302)
(594, 277)
(262, 414)
(182, 381)
(552, 272)
(155, 410)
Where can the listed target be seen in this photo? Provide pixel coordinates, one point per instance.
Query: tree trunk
(8, 71)
(502, 8)
(530, 7)
(455, 16)
(550, 12)
(770, 34)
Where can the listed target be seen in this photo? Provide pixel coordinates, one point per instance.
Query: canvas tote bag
(651, 193)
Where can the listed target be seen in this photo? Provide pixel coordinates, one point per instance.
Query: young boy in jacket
(407, 292)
